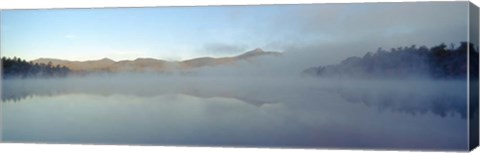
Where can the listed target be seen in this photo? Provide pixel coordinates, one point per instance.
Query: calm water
(228, 112)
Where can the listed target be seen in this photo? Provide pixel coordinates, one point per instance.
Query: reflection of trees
(438, 63)
(442, 98)
(17, 91)
(442, 103)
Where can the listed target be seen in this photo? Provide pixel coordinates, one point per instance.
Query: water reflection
(229, 112)
(442, 98)
(18, 90)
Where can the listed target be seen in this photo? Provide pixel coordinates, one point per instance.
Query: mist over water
(396, 98)
(229, 110)
(261, 102)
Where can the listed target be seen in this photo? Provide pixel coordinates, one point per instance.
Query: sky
(180, 33)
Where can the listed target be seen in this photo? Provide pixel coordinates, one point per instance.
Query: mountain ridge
(152, 64)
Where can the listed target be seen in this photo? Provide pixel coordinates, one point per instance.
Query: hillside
(404, 62)
(151, 64)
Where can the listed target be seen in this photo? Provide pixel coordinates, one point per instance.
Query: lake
(227, 111)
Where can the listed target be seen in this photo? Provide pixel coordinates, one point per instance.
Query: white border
(54, 148)
(37, 4)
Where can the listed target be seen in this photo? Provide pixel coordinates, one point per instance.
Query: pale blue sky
(179, 33)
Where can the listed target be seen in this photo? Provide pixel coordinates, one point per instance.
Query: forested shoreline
(19, 68)
(438, 62)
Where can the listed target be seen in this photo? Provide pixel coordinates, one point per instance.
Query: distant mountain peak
(46, 60)
(43, 58)
(107, 59)
(142, 58)
(253, 52)
(257, 50)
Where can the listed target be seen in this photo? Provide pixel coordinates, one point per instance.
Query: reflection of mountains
(438, 98)
(18, 94)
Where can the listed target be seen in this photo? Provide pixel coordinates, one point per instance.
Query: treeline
(440, 62)
(16, 67)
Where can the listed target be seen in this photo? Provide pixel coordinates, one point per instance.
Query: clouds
(190, 32)
(328, 33)
(344, 23)
(223, 49)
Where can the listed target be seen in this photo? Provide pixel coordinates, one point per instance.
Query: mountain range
(151, 64)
